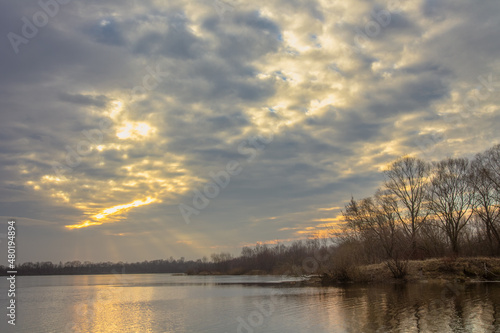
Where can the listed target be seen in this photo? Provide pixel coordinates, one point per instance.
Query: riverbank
(431, 270)
(466, 269)
(437, 270)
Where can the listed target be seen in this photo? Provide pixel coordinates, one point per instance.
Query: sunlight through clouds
(102, 217)
(134, 131)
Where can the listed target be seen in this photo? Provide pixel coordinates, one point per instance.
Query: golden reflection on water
(128, 306)
(124, 308)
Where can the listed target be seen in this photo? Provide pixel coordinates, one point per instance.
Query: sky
(139, 130)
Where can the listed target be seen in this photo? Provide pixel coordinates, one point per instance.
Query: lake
(219, 304)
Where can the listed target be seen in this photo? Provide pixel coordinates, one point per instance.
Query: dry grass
(462, 269)
(441, 269)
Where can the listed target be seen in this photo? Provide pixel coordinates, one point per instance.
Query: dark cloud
(175, 43)
(99, 101)
(434, 9)
(106, 31)
(408, 91)
(225, 123)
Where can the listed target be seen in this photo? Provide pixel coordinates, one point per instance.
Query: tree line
(261, 259)
(80, 268)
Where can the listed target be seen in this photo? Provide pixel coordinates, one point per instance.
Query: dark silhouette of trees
(376, 221)
(76, 267)
(407, 181)
(450, 198)
(449, 207)
(486, 198)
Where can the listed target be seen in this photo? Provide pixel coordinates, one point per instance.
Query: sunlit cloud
(323, 227)
(330, 208)
(103, 216)
(329, 219)
(272, 241)
(132, 130)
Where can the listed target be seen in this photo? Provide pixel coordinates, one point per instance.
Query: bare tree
(487, 196)
(407, 180)
(451, 198)
(490, 159)
(375, 218)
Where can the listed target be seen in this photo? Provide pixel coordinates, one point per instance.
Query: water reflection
(422, 308)
(165, 303)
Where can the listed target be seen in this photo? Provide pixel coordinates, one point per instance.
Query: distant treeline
(77, 267)
(262, 259)
(299, 258)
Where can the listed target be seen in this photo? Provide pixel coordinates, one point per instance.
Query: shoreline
(435, 270)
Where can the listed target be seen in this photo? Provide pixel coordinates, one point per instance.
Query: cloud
(106, 31)
(79, 99)
(181, 86)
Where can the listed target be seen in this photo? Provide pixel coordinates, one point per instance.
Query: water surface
(218, 304)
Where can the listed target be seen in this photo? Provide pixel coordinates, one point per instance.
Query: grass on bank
(467, 269)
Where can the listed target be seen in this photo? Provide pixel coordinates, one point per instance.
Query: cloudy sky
(117, 115)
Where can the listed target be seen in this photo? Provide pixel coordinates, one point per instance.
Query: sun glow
(116, 109)
(134, 130)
